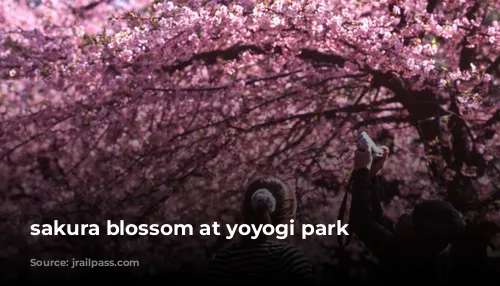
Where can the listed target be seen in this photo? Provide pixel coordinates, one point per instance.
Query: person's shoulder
(297, 264)
(291, 248)
(292, 253)
(277, 244)
(222, 252)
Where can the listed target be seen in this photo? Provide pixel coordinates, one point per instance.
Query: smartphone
(365, 143)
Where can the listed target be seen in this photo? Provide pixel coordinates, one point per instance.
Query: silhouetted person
(263, 260)
(470, 254)
(408, 251)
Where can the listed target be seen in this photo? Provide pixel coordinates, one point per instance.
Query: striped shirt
(260, 262)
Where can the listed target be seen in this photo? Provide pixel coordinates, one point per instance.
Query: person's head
(269, 200)
(432, 226)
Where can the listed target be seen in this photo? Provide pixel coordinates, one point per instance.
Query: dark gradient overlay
(166, 260)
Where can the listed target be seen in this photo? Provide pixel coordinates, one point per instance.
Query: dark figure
(409, 252)
(263, 260)
(469, 256)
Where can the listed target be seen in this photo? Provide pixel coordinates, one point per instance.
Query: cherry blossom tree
(160, 111)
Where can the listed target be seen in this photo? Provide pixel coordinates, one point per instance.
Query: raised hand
(362, 159)
(378, 163)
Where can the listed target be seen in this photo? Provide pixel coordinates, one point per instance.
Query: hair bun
(263, 198)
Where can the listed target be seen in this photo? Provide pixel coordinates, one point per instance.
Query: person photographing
(408, 250)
